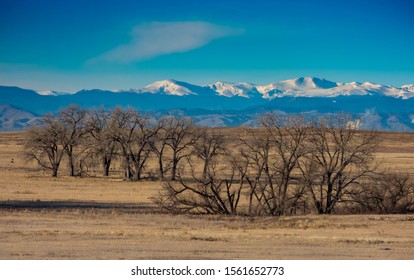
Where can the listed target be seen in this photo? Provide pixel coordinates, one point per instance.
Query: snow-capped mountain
(386, 90)
(408, 87)
(315, 87)
(52, 93)
(299, 87)
(305, 86)
(234, 89)
(170, 87)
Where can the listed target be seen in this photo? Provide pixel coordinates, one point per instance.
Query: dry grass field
(106, 218)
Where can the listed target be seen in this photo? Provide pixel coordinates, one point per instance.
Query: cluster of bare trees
(56, 138)
(99, 137)
(288, 165)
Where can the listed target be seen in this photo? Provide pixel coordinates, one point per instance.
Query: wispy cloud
(153, 39)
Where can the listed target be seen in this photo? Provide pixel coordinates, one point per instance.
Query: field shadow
(67, 205)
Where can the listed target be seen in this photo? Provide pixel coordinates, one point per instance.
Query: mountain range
(226, 104)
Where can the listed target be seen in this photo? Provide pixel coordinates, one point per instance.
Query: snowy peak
(309, 83)
(232, 89)
(51, 93)
(373, 88)
(169, 87)
(409, 88)
(304, 86)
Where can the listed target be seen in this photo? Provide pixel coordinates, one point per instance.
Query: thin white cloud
(153, 39)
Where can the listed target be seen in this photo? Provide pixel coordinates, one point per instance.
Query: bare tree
(71, 119)
(256, 169)
(131, 131)
(100, 143)
(158, 145)
(140, 149)
(288, 136)
(180, 136)
(122, 127)
(385, 193)
(217, 193)
(44, 144)
(340, 157)
(208, 146)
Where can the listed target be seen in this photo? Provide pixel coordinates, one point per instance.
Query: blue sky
(70, 45)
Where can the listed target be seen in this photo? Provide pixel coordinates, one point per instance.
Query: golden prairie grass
(107, 218)
(108, 234)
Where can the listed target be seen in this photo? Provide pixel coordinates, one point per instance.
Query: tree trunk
(54, 171)
(71, 166)
(320, 209)
(205, 169)
(137, 174)
(69, 152)
(283, 198)
(107, 165)
(328, 206)
(128, 172)
(173, 171)
(161, 167)
(174, 167)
